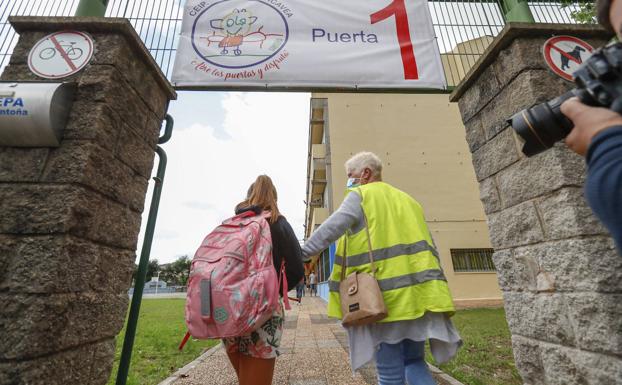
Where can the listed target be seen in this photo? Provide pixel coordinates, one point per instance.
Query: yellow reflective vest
(408, 267)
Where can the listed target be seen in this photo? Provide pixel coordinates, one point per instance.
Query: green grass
(484, 359)
(160, 330)
(486, 356)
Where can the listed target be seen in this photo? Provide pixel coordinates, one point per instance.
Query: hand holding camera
(588, 121)
(599, 84)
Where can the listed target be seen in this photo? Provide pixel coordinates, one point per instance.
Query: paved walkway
(315, 352)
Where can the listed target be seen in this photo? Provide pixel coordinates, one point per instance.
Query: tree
(152, 269)
(585, 12)
(176, 273)
(168, 275)
(134, 273)
(182, 267)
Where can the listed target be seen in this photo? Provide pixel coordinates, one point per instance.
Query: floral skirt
(261, 343)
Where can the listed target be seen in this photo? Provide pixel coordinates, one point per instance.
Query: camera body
(598, 83)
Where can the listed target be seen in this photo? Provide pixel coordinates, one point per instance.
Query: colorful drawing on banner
(565, 54)
(60, 54)
(238, 35)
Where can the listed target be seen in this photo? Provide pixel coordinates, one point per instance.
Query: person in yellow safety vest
(409, 274)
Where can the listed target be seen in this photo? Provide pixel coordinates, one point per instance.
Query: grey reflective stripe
(333, 286)
(387, 253)
(206, 292)
(411, 279)
(402, 280)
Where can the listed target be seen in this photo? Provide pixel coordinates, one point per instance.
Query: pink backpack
(233, 287)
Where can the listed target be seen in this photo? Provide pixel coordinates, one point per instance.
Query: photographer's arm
(603, 186)
(598, 133)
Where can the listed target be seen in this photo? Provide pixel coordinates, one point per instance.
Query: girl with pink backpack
(238, 278)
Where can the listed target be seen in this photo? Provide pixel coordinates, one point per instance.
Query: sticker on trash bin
(565, 54)
(60, 54)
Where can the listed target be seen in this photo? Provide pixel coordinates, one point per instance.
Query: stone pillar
(559, 271)
(70, 216)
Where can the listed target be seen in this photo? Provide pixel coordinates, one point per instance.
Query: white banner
(308, 44)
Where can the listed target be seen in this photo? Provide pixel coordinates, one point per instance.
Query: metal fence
(463, 28)
(472, 260)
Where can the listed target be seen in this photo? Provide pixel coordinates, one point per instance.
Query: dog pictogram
(575, 53)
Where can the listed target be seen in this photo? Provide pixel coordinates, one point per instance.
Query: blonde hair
(363, 160)
(262, 194)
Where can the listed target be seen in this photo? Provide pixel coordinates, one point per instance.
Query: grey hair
(363, 160)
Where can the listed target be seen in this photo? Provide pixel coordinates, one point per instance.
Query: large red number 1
(397, 8)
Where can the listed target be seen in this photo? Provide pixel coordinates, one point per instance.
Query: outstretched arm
(348, 215)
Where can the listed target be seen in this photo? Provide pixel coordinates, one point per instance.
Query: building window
(472, 260)
(322, 270)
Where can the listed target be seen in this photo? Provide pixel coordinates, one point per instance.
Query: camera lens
(542, 125)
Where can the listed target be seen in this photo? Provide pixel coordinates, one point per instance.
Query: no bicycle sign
(565, 54)
(60, 54)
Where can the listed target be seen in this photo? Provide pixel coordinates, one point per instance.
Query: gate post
(516, 11)
(92, 8)
(70, 216)
(559, 271)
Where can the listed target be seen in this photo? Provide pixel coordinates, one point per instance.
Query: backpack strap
(246, 214)
(183, 342)
(283, 282)
(282, 278)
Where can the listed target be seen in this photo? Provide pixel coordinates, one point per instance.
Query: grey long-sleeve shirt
(348, 216)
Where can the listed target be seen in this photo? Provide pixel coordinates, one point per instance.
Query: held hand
(588, 121)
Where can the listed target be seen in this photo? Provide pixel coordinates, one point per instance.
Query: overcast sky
(221, 142)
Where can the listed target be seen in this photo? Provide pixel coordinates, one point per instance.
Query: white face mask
(352, 182)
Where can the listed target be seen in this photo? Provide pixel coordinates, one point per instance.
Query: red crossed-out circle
(550, 47)
(61, 53)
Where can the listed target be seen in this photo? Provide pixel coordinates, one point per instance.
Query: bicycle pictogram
(60, 54)
(72, 52)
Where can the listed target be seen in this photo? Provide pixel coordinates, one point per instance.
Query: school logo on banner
(228, 35)
(307, 45)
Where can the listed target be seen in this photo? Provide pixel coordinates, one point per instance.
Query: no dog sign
(565, 54)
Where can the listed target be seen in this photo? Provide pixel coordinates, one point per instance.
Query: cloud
(194, 107)
(199, 205)
(167, 234)
(207, 176)
(271, 133)
(217, 132)
(221, 134)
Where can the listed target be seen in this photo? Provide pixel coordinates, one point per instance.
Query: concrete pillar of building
(559, 271)
(70, 216)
